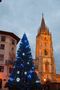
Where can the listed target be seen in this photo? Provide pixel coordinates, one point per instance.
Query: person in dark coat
(0, 83)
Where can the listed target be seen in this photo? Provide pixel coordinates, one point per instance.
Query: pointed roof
(10, 34)
(43, 28)
(42, 22)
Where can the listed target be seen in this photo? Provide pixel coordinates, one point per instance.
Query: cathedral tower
(45, 64)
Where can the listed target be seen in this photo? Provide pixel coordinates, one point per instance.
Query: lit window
(1, 68)
(2, 46)
(1, 57)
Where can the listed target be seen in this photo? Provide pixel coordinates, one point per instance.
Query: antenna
(42, 15)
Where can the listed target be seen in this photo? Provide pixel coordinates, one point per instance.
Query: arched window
(47, 66)
(45, 52)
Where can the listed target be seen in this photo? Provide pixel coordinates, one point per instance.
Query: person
(6, 85)
(0, 83)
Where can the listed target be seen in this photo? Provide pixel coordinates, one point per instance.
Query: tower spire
(43, 28)
(42, 22)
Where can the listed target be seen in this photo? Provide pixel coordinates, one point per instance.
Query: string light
(29, 76)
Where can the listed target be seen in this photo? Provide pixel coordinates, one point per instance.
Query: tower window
(45, 52)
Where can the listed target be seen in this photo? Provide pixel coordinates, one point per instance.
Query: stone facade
(8, 42)
(45, 63)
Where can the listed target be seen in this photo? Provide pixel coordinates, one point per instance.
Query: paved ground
(4, 89)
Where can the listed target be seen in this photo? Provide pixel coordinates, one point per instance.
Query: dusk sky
(24, 16)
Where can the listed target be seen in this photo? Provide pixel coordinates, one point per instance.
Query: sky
(24, 16)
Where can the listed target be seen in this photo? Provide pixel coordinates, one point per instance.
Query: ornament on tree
(18, 72)
(18, 79)
(27, 62)
(25, 73)
(23, 54)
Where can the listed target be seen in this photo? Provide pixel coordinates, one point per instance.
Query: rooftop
(10, 34)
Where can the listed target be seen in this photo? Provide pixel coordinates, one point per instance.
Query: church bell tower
(45, 64)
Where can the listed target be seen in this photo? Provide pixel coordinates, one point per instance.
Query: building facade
(8, 42)
(45, 63)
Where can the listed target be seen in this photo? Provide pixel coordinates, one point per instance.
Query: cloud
(19, 16)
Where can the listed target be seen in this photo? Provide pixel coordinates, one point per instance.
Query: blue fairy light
(33, 68)
(27, 46)
(29, 76)
(31, 71)
(11, 79)
(22, 65)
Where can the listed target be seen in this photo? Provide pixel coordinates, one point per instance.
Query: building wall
(9, 52)
(58, 78)
(44, 55)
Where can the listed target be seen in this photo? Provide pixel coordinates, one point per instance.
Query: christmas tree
(23, 75)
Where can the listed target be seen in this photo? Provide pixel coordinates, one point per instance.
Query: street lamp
(44, 79)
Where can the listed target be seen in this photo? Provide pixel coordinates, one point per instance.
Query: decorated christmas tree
(23, 75)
